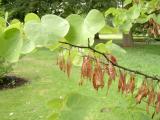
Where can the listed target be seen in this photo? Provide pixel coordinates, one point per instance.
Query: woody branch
(114, 64)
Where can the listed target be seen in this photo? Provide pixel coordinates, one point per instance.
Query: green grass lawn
(46, 82)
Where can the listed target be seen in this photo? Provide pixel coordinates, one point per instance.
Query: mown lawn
(46, 82)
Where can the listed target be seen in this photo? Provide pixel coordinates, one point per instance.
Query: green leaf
(31, 17)
(14, 21)
(76, 35)
(41, 34)
(32, 34)
(59, 30)
(28, 46)
(143, 18)
(11, 44)
(94, 21)
(112, 11)
(134, 12)
(115, 48)
(101, 47)
(87, 27)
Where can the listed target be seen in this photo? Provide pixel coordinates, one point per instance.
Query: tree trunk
(127, 40)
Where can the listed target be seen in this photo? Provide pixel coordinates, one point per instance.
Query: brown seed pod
(111, 71)
(69, 66)
(89, 68)
(142, 92)
(122, 81)
(86, 70)
(98, 76)
(62, 65)
(151, 98)
(130, 86)
(83, 68)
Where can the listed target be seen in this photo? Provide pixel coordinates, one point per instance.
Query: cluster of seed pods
(65, 65)
(94, 70)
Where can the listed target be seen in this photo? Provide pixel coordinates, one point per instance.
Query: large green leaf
(46, 33)
(134, 12)
(10, 45)
(81, 29)
(143, 18)
(94, 21)
(55, 27)
(76, 32)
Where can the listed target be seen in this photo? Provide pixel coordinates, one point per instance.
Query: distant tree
(18, 8)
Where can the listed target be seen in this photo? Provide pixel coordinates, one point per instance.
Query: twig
(116, 65)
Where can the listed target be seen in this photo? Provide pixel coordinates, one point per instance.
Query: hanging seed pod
(86, 70)
(69, 66)
(122, 81)
(132, 83)
(151, 98)
(98, 76)
(83, 68)
(89, 68)
(142, 92)
(62, 65)
(130, 86)
(158, 103)
(111, 71)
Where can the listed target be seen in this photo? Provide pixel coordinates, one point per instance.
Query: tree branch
(116, 65)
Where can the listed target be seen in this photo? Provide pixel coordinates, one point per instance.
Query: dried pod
(86, 70)
(151, 98)
(89, 68)
(69, 66)
(122, 81)
(111, 71)
(130, 86)
(98, 76)
(61, 63)
(132, 83)
(142, 92)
